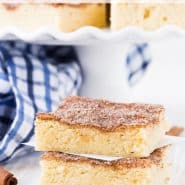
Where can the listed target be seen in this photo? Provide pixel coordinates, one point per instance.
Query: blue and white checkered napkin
(137, 62)
(35, 78)
(32, 78)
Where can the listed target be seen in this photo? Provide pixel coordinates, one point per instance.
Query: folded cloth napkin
(32, 78)
(137, 61)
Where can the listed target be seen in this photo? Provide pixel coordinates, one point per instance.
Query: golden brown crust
(15, 6)
(58, 5)
(11, 7)
(79, 5)
(154, 159)
(104, 115)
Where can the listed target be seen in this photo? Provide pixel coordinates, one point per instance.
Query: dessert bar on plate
(66, 169)
(90, 126)
(63, 17)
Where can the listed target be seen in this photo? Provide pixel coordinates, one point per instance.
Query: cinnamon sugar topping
(154, 159)
(105, 114)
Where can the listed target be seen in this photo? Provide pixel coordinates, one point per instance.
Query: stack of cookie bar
(122, 137)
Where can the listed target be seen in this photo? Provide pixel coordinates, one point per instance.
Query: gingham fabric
(32, 78)
(137, 62)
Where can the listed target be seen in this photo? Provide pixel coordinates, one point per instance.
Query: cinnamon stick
(175, 131)
(7, 178)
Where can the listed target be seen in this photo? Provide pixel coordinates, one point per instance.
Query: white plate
(92, 35)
